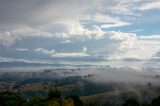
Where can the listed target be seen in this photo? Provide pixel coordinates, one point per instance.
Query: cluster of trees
(134, 102)
(54, 99)
(126, 102)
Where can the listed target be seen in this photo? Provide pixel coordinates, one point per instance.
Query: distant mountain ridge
(25, 64)
(29, 64)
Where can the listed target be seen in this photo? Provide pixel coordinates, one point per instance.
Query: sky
(96, 32)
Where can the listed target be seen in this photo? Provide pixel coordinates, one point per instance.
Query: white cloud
(123, 36)
(10, 59)
(134, 31)
(66, 41)
(83, 22)
(104, 18)
(125, 7)
(70, 55)
(117, 24)
(73, 29)
(129, 45)
(150, 37)
(6, 39)
(84, 49)
(76, 30)
(21, 49)
(155, 4)
(51, 22)
(54, 53)
(25, 31)
(5, 59)
(121, 45)
(111, 21)
(45, 51)
(70, 29)
(143, 50)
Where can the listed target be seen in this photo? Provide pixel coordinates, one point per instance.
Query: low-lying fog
(101, 75)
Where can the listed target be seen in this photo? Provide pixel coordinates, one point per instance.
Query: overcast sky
(80, 31)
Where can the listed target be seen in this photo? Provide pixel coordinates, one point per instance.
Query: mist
(122, 75)
(96, 75)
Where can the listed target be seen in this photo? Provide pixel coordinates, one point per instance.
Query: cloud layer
(79, 30)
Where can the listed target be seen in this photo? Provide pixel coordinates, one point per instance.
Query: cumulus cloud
(132, 46)
(73, 29)
(62, 19)
(6, 39)
(45, 51)
(143, 50)
(155, 4)
(78, 28)
(113, 46)
(70, 29)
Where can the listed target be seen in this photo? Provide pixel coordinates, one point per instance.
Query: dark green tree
(37, 101)
(54, 94)
(131, 102)
(156, 102)
(11, 99)
(76, 100)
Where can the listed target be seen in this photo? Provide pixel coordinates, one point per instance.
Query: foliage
(156, 102)
(54, 93)
(131, 102)
(36, 101)
(53, 103)
(11, 99)
(55, 99)
(68, 102)
(76, 100)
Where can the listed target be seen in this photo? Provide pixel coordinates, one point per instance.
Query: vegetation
(11, 99)
(131, 102)
(55, 98)
(75, 99)
(134, 102)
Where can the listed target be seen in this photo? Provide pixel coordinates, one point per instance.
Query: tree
(37, 101)
(131, 102)
(76, 100)
(68, 102)
(11, 99)
(156, 102)
(53, 103)
(54, 93)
